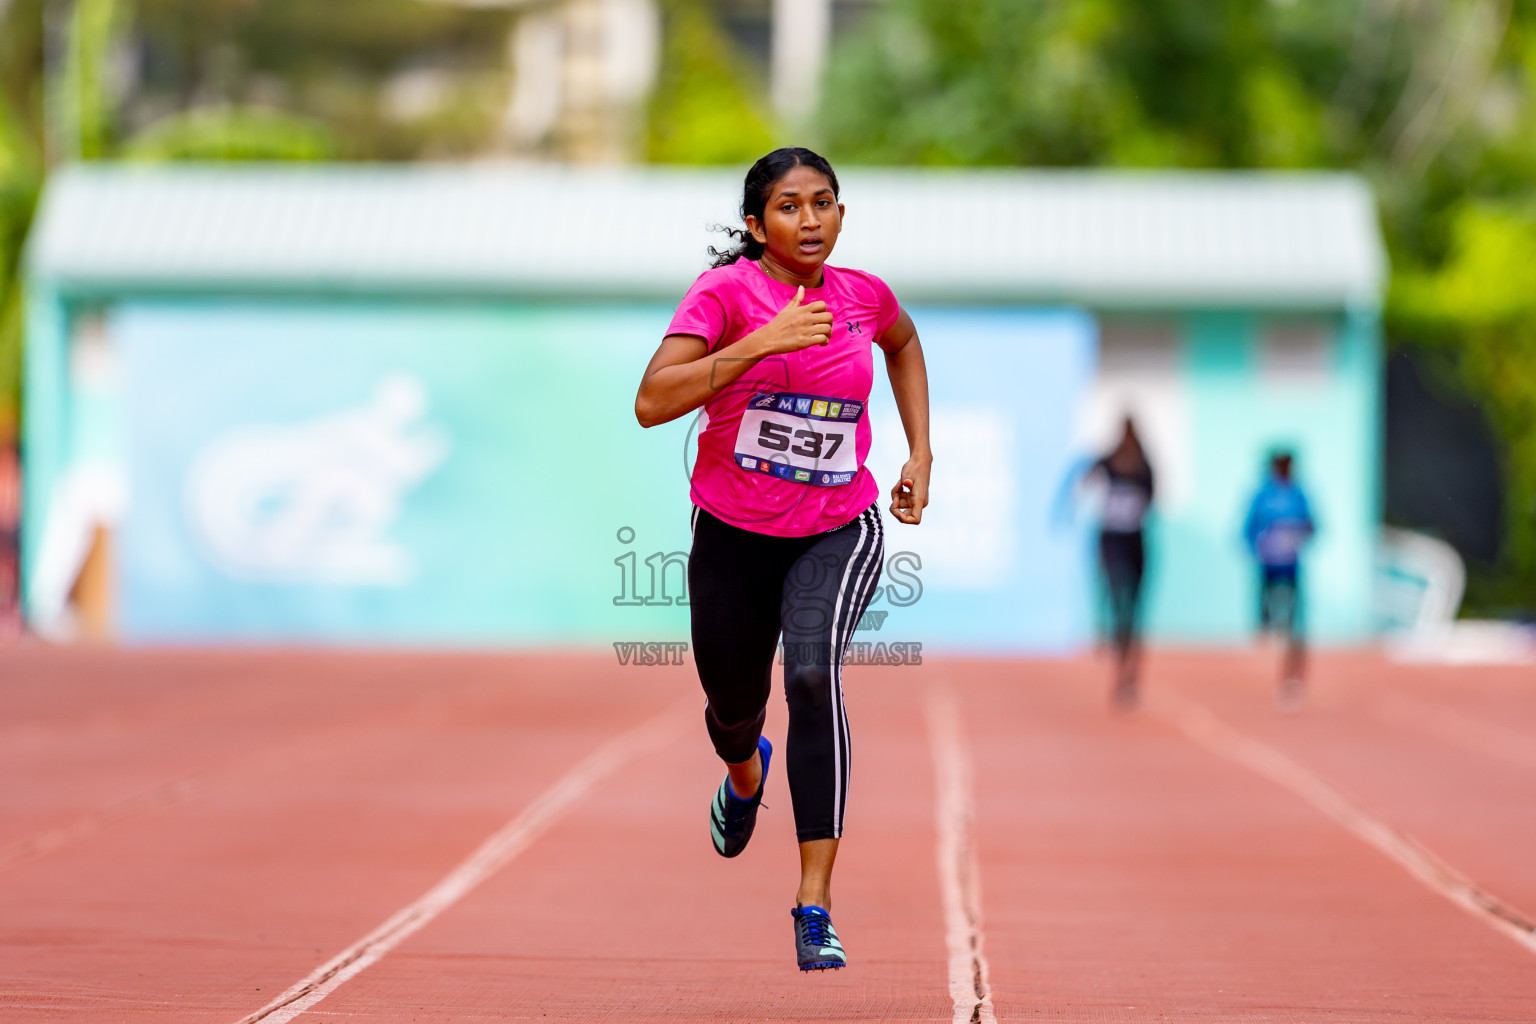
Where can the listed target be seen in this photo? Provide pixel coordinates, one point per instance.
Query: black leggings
(1124, 558)
(744, 589)
(1280, 600)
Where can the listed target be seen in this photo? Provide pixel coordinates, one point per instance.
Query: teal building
(394, 405)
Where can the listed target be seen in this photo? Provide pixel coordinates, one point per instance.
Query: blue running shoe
(732, 819)
(817, 946)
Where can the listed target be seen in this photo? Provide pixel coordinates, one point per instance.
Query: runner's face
(801, 220)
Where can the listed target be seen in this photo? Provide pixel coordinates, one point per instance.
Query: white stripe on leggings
(844, 622)
(865, 580)
(834, 684)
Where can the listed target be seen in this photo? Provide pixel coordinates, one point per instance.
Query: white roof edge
(1094, 237)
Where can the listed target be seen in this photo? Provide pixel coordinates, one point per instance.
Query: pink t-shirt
(782, 449)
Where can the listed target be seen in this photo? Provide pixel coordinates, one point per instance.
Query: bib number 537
(783, 437)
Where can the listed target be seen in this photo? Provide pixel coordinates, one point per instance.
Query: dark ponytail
(754, 198)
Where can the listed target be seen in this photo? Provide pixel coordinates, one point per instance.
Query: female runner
(1127, 474)
(774, 344)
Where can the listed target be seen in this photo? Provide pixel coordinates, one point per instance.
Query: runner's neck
(784, 275)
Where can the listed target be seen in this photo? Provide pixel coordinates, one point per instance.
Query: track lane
(1470, 804)
(203, 911)
(1128, 874)
(624, 912)
(1444, 722)
(1132, 875)
(96, 735)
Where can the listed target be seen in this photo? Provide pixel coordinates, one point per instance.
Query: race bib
(1281, 543)
(1125, 507)
(806, 439)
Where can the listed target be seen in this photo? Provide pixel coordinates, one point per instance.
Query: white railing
(1420, 581)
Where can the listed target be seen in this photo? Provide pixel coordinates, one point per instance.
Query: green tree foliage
(229, 80)
(1434, 100)
(232, 133)
(702, 111)
(1480, 304)
(1185, 83)
(83, 105)
(20, 181)
(21, 176)
(388, 79)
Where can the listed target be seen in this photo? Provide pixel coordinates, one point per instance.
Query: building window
(1296, 352)
(1138, 347)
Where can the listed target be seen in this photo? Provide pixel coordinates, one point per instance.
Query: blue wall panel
(420, 474)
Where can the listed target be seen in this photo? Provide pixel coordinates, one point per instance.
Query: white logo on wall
(314, 502)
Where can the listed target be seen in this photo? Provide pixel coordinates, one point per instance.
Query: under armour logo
(854, 328)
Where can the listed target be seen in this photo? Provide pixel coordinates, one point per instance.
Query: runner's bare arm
(909, 383)
(684, 375)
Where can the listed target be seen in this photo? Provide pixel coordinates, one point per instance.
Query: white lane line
(959, 881)
(493, 855)
(1452, 726)
(1199, 724)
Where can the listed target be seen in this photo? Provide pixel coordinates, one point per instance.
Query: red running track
(187, 836)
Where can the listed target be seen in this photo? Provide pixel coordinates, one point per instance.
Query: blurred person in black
(1127, 477)
(1279, 525)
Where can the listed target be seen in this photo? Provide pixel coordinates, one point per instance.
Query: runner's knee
(734, 740)
(807, 684)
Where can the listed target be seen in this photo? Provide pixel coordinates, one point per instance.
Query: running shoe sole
(729, 843)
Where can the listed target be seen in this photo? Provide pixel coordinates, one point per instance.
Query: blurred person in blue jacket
(1279, 525)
